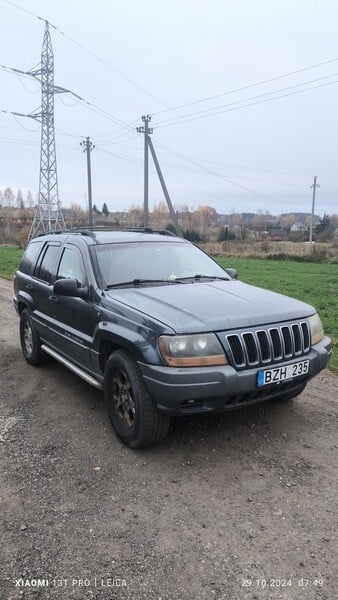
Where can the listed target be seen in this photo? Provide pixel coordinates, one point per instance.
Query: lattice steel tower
(48, 213)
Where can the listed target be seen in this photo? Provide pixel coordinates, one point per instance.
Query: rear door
(42, 288)
(71, 316)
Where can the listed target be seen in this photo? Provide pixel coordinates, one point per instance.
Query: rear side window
(30, 257)
(44, 270)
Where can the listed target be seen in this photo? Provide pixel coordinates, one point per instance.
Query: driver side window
(71, 266)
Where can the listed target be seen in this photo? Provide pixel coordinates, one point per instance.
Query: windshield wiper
(200, 277)
(136, 282)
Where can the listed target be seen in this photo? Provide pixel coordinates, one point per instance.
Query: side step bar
(66, 363)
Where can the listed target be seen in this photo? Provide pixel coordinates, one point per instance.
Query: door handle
(53, 299)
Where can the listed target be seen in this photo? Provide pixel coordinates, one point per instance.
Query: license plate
(278, 374)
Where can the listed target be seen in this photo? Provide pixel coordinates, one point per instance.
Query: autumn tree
(135, 216)
(205, 216)
(19, 200)
(76, 208)
(185, 216)
(261, 220)
(286, 221)
(160, 214)
(334, 220)
(324, 229)
(8, 197)
(239, 225)
(29, 199)
(225, 235)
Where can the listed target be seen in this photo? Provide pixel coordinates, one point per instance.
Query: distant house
(297, 226)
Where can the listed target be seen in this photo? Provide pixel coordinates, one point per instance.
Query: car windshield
(155, 262)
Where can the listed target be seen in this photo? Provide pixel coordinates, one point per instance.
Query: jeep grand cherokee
(159, 326)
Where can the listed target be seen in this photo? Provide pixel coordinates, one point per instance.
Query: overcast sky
(155, 56)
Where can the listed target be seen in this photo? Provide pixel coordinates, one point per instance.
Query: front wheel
(30, 341)
(131, 409)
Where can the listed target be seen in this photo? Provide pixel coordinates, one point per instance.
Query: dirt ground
(237, 506)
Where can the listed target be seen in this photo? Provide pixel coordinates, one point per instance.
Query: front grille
(265, 346)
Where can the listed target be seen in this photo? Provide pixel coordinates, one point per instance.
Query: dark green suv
(161, 327)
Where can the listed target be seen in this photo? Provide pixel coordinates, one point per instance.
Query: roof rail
(80, 231)
(90, 231)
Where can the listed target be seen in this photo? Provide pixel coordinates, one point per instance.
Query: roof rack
(90, 231)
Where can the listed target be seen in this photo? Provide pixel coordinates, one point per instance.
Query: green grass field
(10, 257)
(315, 283)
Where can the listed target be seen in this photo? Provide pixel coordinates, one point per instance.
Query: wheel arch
(21, 307)
(109, 344)
(24, 301)
(110, 337)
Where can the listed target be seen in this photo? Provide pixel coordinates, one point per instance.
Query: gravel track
(234, 506)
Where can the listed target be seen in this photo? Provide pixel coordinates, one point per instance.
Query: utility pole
(164, 188)
(314, 186)
(88, 147)
(149, 144)
(147, 132)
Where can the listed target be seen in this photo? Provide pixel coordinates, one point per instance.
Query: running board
(72, 367)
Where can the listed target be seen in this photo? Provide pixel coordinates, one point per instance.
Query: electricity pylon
(48, 215)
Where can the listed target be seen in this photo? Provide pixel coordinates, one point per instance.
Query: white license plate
(278, 374)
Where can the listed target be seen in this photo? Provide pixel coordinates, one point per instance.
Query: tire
(132, 411)
(30, 341)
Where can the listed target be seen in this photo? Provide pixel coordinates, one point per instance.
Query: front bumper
(179, 391)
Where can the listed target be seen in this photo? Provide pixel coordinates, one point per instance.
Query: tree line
(198, 223)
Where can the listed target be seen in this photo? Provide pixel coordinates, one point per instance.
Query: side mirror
(232, 273)
(68, 287)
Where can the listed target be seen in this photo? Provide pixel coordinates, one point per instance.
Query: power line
(251, 85)
(25, 128)
(106, 63)
(115, 155)
(210, 171)
(31, 143)
(89, 105)
(210, 112)
(91, 53)
(22, 8)
(25, 87)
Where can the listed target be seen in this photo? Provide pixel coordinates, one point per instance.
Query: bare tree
(8, 197)
(19, 200)
(30, 201)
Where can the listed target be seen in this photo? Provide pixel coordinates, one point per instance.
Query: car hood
(211, 306)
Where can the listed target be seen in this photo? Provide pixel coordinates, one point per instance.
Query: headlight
(202, 350)
(316, 329)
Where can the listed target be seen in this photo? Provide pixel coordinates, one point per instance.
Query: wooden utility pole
(314, 187)
(148, 144)
(147, 132)
(88, 147)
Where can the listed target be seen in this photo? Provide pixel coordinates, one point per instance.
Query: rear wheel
(30, 341)
(131, 409)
